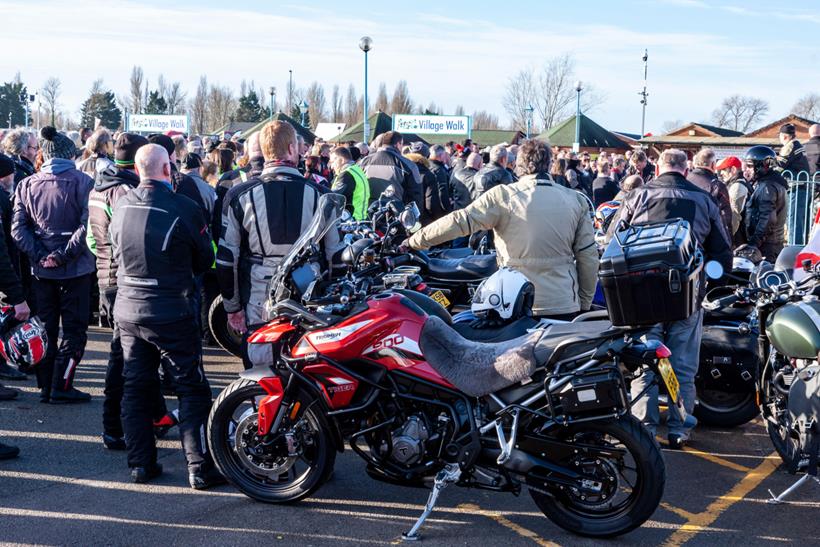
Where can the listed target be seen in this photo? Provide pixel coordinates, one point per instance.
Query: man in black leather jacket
(494, 173)
(703, 176)
(462, 182)
(160, 241)
(766, 209)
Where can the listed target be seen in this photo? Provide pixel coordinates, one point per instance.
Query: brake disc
(261, 459)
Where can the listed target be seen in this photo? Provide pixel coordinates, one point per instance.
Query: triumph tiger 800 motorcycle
(547, 412)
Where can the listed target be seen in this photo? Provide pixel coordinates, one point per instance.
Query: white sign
(433, 125)
(157, 123)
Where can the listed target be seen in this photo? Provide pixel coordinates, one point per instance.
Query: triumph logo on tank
(336, 335)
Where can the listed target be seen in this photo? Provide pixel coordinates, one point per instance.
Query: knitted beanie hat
(56, 145)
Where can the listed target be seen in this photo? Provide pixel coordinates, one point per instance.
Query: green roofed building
(593, 137)
(307, 134)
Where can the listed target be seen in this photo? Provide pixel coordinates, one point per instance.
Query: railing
(803, 205)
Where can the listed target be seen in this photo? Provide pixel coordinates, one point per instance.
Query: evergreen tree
(249, 108)
(296, 114)
(103, 105)
(10, 103)
(156, 104)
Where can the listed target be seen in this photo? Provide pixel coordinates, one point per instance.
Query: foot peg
(444, 478)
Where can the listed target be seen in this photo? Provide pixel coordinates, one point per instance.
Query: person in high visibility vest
(351, 182)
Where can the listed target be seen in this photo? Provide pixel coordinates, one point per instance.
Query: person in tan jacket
(541, 229)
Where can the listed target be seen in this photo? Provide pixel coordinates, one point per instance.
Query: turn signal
(662, 352)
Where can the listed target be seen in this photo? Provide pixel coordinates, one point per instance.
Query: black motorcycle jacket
(490, 176)
(160, 240)
(110, 186)
(766, 211)
(670, 196)
(707, 181)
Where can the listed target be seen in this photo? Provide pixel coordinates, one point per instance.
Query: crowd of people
(166, 221)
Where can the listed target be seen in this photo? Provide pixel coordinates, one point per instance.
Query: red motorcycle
(547, 412)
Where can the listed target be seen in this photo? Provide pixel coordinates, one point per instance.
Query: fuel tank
(794, 329)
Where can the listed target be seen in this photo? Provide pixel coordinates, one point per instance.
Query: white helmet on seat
(507, 294)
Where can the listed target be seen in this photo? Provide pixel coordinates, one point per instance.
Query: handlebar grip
(721, 302)
(401, 260)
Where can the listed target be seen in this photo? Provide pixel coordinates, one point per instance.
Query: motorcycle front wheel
(632, 480)
(284, 466)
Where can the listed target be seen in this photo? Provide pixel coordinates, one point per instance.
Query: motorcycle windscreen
(328, 213)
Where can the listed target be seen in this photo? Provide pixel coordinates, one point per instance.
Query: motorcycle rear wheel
(723, 409)
(601, 518)
(267, 473)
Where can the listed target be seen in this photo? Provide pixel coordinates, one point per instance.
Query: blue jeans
(683, 340)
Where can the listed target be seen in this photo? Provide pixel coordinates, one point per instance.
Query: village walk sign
(432, 125)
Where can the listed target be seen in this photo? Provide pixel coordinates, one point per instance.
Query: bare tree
(484, 120)
(336, 105)
(808, 106)
(381, 98)
(519, 96)
(459, 110)
(198, 109)
(670, 125)
(740, 113)
(317, 104)
(51, 96)
(221, 106)
(432, 108)
(352, 112)
(401, 103)
(175, 98)
(550, 91)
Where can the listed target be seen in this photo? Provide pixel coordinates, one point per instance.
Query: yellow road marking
(701, 521)
(505, 522)
(717, 459)
(683, 513)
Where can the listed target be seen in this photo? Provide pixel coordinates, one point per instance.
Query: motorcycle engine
(408, 441)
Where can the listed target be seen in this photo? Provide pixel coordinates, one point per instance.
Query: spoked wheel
(725, 409)
(286, 465)
(623, 490)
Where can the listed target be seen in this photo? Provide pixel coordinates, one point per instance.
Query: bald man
(812, 148)
(160, 240)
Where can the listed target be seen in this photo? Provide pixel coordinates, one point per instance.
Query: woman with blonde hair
(97, 155)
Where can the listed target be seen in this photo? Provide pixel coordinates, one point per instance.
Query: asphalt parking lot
(66, 489)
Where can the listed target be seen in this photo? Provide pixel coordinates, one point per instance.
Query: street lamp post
(272, 101)
(529, 111)
(643, 93)
(290, 93)
(366, 44)
(576, 146)
(303, 107)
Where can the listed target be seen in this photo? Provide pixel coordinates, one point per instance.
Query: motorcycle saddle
(471, 268)
(458, 252)
(477, 368)
(517, 328)
(563, 340)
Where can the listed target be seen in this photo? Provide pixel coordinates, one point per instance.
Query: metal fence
(803, 205)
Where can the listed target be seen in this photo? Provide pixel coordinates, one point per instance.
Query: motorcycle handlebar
(720, 302)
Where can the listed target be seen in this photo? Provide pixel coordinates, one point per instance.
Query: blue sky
(463, 54)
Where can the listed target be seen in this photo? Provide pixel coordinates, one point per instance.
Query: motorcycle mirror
(409, 218)
(714, 270)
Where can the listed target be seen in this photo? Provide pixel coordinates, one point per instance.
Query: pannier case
(650, 273)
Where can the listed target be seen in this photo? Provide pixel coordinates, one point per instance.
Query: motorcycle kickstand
(811, 473)
(444, 478)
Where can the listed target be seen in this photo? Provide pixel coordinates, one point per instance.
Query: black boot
(113, 443)
(8, 372)
(7, 393)
(207, 478)
(8, 452)
(71, 395)
(141, 475)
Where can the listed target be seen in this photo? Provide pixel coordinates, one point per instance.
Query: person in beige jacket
(541, 229)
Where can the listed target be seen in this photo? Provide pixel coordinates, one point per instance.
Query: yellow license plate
(669, 378)
(439, 297)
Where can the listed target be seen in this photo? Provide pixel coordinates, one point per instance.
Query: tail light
(662, 352)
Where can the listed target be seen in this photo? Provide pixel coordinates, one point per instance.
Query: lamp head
(366, 43)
